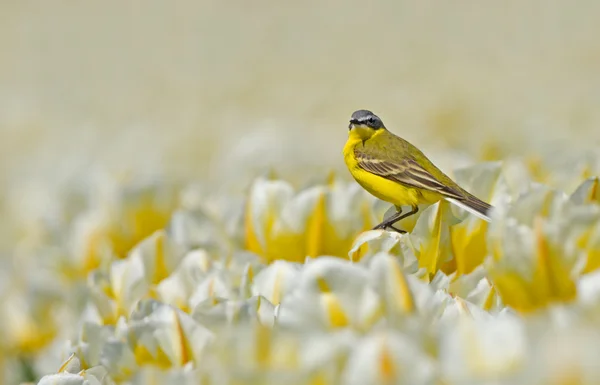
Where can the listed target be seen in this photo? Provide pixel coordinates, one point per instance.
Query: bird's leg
(415, 209)
(392, 219)
(398, 216)
(396, 229)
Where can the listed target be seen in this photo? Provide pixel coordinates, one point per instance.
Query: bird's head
(364, 124)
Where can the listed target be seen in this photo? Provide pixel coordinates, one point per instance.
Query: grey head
(366, 118)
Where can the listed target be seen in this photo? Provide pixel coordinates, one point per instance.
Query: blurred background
(214, 93)
(218, 92)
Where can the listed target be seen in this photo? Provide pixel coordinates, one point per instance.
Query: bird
(395, 171)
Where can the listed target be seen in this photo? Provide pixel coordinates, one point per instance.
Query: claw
(398, 230)
(382, 226)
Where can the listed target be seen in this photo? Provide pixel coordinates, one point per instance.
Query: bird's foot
(397, 230)
(379, 226)
(383, 226)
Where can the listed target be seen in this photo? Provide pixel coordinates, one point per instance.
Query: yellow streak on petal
(356, 254)
(83, 363)
(496, 250)
(583, 240)
(161, 271)
(592, 252)
(550, 282)
(314, 228)
(269, 235)
(183, 306)
(92, 259)
(514, 291)
(95, 242)
(402, 294)
(111, 318)
(319, 236)
(360, 252)
(551, 279)
(469, 248)
(153, 293)
(323, 286)
(430, 252)
(269, 247)
(536, 167)
(63, 367)
(593, 195)
(137, 223)
(286, 246)
(546, 205)
(252, 244)
(33, 335)
(322, 237)
(119, 241)
(593, 261)
(276, 289)
(333, 244)
(387, 369)
(489, 300)
(334, 310)
(448, 267)
(107, 289)
(333, 307)
(257, 309)
(147, 219)
(162, 360)
(263, 346)
(144, 357)
(185, 351)
(124, 375)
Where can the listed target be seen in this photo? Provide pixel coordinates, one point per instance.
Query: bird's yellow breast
(382, 188)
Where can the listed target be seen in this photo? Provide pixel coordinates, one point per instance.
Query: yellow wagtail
(397, 172)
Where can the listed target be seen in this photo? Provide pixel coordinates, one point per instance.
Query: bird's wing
(406, 171)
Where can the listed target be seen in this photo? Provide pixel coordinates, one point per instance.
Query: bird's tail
(473, 205)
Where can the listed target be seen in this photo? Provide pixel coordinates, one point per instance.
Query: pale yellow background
(204, 89)
(214, 92)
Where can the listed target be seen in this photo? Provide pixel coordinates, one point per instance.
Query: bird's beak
(353, 122)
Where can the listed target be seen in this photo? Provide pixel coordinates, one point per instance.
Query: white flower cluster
(293, 288)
